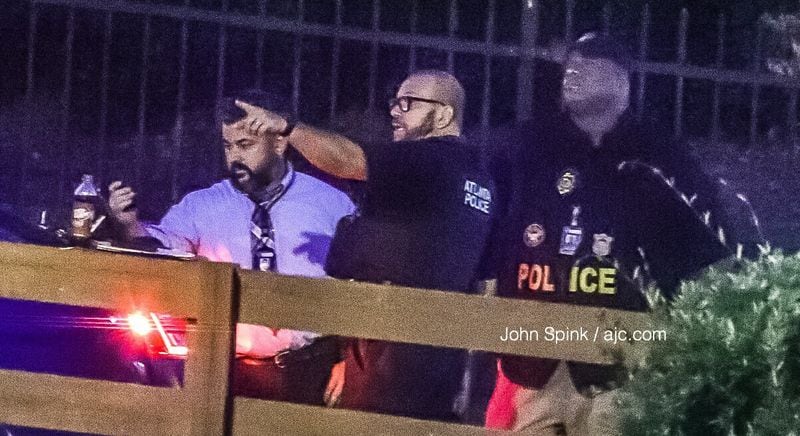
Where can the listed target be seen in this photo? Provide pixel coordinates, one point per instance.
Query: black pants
(298, 382)
(417, 381)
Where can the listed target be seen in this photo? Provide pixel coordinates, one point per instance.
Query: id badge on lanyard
(571, 235)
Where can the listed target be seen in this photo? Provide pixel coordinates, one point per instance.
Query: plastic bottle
(84, 207)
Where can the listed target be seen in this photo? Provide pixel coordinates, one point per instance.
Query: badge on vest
(571, 235)
(567, 182)
(533, 235)
(602, 244)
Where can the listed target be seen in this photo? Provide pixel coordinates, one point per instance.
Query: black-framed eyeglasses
(404, 102)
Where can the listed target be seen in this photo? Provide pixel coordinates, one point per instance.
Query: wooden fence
(207, 292)
(198, 290)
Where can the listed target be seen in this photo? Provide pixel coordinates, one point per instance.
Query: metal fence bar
(569, 21)
(754, 100)
(33, 20)
(678, 114)
(452, 25)
(486, 102)
(337, 47)
(373, 55)
(305, 29)
(529, 30)
(222, 38)
(644, 37)
(259, 82)
(412, 50)
(141, 134)
(791, 116)
(104, 78)
(177, 132)
(486, 48)
(297, 51)
(66, 92)
(715, 75)
(791, 121)
(262, 11)
(715, 114)
(406, 40)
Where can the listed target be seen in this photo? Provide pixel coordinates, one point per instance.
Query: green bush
(731, 361)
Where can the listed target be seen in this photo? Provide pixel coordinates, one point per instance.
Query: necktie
(262, 232)
(262, 239)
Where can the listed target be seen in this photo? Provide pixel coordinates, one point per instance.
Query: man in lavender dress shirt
(217, 222)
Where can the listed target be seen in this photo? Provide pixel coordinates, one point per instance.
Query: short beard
(424, 129)
(255, 181)
(593, 106)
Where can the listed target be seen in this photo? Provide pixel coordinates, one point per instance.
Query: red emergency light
(165, 335)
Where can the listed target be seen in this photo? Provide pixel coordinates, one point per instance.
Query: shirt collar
(268, 196)
(613, 141)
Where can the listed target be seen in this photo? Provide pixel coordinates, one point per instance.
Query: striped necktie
(262, 232)
(262, 239)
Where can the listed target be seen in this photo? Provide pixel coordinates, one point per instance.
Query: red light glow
(139, 324)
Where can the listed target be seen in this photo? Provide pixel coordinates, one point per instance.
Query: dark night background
(47, 141)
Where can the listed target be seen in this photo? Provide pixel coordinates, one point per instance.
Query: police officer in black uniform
(424, 223)
(600, 207)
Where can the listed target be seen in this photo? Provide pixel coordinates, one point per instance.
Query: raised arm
(328, 151)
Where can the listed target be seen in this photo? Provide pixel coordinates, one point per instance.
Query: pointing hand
(260, 121)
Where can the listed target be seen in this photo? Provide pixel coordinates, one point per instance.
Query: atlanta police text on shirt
(477, 196)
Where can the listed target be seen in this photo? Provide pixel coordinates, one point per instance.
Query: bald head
(441, 86)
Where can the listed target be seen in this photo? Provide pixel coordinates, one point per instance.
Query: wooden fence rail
(208, 291)
(200, 290)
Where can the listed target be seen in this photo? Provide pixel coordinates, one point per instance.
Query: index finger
(114, 185)
(247, 107)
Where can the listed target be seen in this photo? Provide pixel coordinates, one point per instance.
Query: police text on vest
(477, 197)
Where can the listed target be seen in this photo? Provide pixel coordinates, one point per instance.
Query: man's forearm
(131, 231)
(330, 152)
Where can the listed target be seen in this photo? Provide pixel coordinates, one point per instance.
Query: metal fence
(329, 63)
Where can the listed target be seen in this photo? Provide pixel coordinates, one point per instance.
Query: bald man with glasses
(424, 223)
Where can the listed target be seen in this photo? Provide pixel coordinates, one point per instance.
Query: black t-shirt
(425, 217)
(424, 223)
(592, 225)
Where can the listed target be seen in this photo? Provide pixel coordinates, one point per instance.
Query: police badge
(567, 181)
(533, 235)
(602, 244)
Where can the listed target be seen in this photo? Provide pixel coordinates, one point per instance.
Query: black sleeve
(738, 219)
(502, 151)
(674, 237)
(727, 211)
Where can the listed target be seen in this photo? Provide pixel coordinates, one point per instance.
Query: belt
(325, 348)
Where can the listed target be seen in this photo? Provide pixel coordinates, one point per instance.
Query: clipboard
(159, 252)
